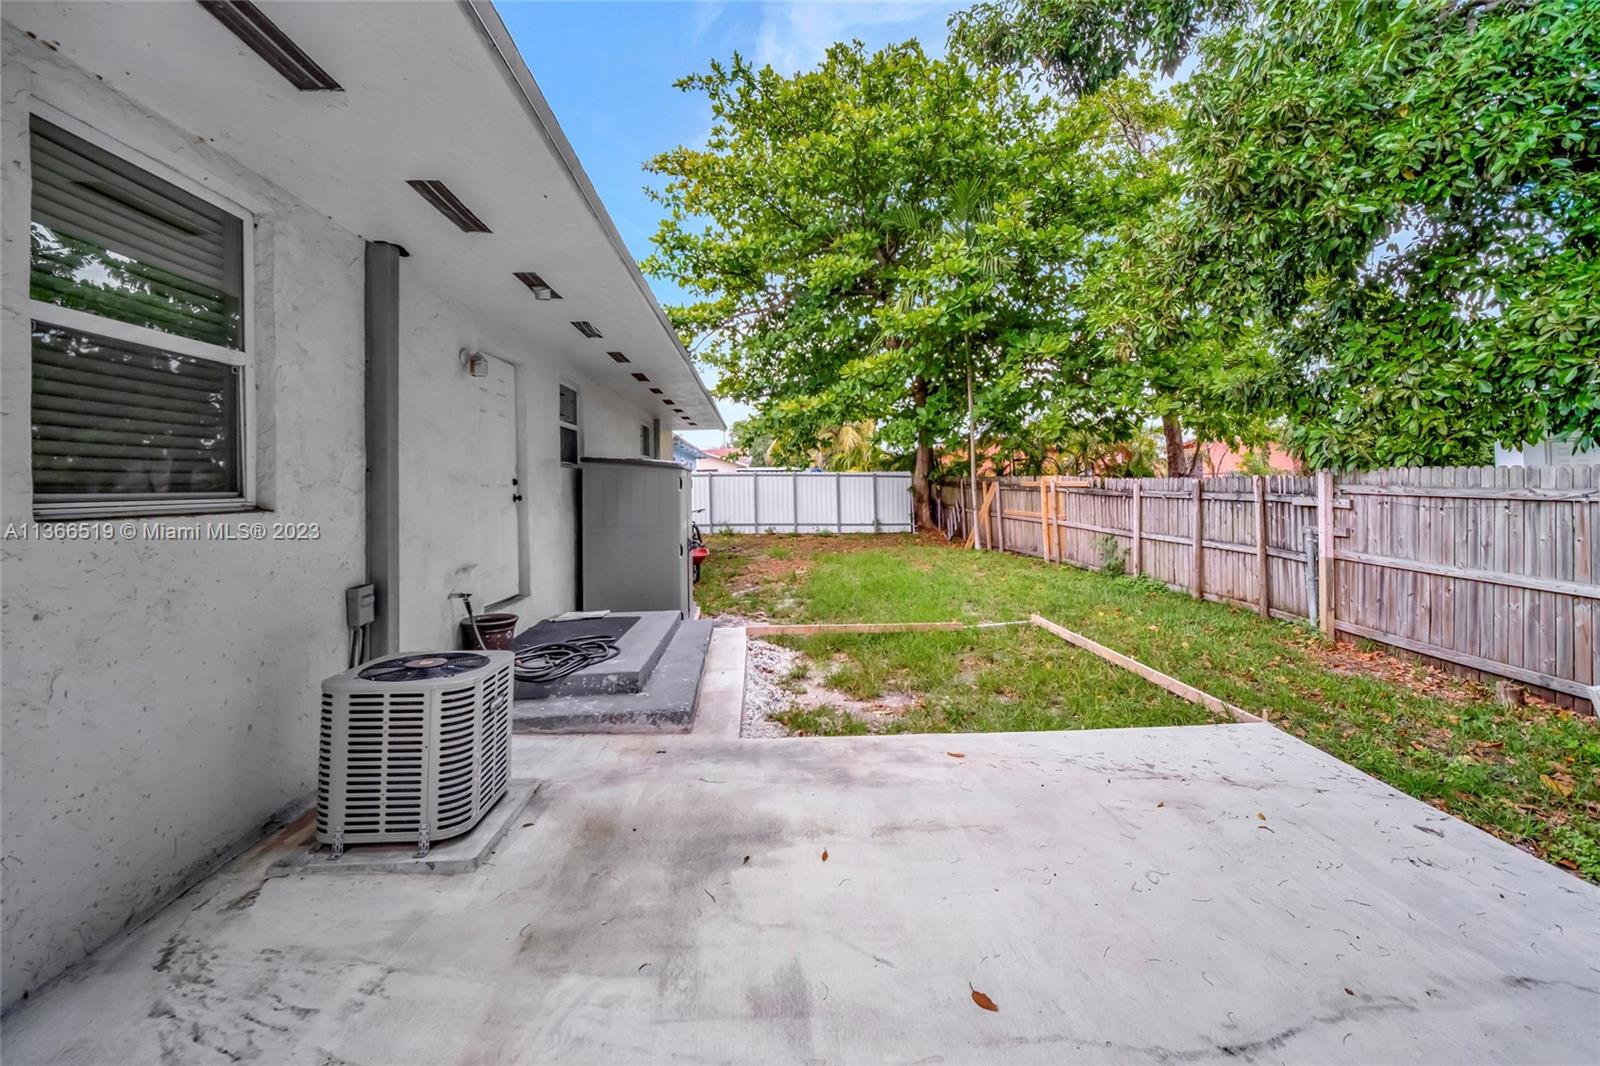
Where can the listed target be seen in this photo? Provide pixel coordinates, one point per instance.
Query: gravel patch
(766, 666)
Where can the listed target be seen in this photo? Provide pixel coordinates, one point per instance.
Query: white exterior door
(497, 488)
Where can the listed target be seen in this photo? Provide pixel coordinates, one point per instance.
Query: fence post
(873, 482)
(1044, 521)
(755, 503)
(1327, 573)
(838, 502)
(999, 515)
(1262, 593)
(1138, 530)
(794, 496)
(961, 507)
(711, 503)
(1198, 552)
(1308, 544)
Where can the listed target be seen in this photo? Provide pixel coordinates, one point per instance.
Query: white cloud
(795, 35)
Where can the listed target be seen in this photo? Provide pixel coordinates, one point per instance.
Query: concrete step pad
(665, 706)
(639, 648)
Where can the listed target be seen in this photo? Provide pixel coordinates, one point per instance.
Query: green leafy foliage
(1407, 194)
(1080, 45)
(863, 236)
(1385, 218)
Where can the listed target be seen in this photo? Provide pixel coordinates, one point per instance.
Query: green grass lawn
(1530, 775)
(988, 681)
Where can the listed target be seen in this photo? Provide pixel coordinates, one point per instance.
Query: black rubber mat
(550, 631)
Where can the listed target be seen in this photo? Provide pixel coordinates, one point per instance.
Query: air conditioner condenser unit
(413, 748)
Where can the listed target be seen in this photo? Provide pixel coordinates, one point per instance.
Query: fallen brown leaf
(1561, 788)
(1163, 803)
(982, 1000)
(824, 854)
(1261, 815)
(956, 754)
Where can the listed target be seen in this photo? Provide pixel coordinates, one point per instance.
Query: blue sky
(607, 69)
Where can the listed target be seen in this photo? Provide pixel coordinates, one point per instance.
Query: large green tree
(867, 237)
(1398, 199)
(810, 228)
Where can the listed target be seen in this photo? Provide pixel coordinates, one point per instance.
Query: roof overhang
(430, 91)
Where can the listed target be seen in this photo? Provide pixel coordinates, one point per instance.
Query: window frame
(576, 427)
(59, 506)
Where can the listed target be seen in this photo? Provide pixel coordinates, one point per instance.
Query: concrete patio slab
(1163, 895)
(721, 702)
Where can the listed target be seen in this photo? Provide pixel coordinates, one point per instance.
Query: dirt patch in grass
(1365, 661)
(957, 681)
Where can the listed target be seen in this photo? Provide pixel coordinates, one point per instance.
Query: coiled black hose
(545, 663)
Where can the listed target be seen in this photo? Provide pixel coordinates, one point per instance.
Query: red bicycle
(697, 547)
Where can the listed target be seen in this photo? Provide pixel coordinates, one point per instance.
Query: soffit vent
(618, 357)
(640, 377)
(538, 286)
(656, 391)
(669, 403)
(252, 26)
(586, 328)
(439, 195)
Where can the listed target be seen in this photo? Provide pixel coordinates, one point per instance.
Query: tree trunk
(1177, 460)
(922, 472)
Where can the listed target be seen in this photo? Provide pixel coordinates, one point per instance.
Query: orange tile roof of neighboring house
(1221, 459)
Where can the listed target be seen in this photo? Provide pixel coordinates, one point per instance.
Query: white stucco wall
(438, 443)
(160, 698)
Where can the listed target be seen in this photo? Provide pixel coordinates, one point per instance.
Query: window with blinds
(117, 242)
(113, 417)
(117, 416)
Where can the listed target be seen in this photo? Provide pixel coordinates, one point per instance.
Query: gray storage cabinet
(635, 535)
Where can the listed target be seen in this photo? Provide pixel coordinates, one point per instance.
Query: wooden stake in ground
(980, 514)
(1149, 673)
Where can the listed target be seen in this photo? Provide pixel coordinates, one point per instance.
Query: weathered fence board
(803, 501)
(1491, 570)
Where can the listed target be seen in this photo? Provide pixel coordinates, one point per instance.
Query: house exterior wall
(438, 444)
(158, 696)
(1552, 451)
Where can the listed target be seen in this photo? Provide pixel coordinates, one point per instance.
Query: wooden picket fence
(1493, 571)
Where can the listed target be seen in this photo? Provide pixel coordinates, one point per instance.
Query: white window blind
(113, 417)
(119, 421)
(115, 241)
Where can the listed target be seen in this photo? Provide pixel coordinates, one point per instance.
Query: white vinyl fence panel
(794, 501)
